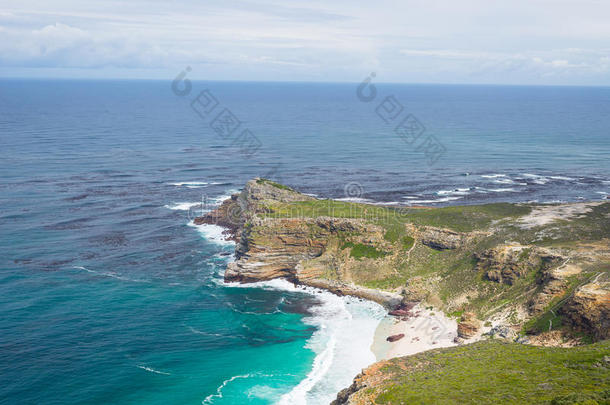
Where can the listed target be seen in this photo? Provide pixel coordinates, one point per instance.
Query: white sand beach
(428, 329)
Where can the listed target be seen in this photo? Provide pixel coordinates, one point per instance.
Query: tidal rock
(507, 263)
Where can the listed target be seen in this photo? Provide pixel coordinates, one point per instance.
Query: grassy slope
(448, 277)
(493, 372)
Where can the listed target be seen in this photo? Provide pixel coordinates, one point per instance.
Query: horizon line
(120, 79)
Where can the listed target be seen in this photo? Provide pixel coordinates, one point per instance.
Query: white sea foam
(492, 176)
(342, 342)
(457, 191)
(537, 179)
(439, 200)
(213, 233)
(152, 370)
(356, 200)
(210, 398)
(183, 206)
(226, 196)
(501, 190)
(191, 184)
(110, 274)
(503, 181)
(562, 178)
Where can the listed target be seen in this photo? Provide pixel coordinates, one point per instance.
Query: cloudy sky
(414, 41)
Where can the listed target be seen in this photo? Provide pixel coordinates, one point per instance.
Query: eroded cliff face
(588, 310)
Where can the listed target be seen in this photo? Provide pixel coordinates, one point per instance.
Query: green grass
(359, 251)
(495, 372)
(460, 218)
(274, 184)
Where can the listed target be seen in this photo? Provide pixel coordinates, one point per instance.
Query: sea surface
(109, 294)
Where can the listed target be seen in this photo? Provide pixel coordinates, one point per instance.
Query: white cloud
(438, 41)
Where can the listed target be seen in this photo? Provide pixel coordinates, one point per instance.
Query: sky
(542, 42)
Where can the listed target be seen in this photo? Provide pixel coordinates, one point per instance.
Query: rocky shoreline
(342, 248)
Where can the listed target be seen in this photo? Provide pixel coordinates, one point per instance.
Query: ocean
(109, 293)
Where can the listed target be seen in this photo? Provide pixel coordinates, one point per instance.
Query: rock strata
(468, 326)
(588, 310)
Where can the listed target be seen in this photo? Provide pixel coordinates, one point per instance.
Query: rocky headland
(527, 273)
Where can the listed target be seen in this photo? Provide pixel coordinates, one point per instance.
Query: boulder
(394, 338)
(468, 326)
(503, 332)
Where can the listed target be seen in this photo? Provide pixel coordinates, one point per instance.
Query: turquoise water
(108, 295)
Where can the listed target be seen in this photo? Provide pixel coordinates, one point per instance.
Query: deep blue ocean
(109, 294)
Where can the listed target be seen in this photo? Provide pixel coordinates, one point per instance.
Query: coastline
(335, 363)
(328, 255)
(346, 318)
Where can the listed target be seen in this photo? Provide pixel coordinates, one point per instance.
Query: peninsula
(515, 277)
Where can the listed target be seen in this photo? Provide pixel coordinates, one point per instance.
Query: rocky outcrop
(229, 216)
(503, 332)
(275, 249)
(588, 310)
(507, 263)
(554, 283)
(356, 393)
(278, 235)
(468, 326)
(440, 238)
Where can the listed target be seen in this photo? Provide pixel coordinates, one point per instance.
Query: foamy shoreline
(352, 331)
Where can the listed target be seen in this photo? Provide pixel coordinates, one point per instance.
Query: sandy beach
(428, 329)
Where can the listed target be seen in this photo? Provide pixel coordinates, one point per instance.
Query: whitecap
(492, 176)
(439, 200)
(457, 191)
(537, 179)
(501, 190)
(183, 206)
(356, 200)
(191, 184)
(562, 178)
(152, 370)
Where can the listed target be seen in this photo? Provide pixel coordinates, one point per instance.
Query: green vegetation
(461, 218)
(495, 372)
(359, 250)
(274, 184)
(400, 253)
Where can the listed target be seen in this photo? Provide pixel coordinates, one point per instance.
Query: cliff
(534, 273)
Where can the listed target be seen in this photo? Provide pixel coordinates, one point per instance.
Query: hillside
(487, 372)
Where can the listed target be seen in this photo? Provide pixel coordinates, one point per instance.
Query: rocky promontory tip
(491, 263)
